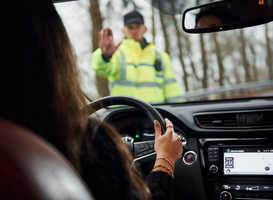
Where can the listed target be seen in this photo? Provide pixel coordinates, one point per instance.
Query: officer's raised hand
(106, 43)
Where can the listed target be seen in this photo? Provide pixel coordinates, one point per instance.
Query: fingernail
(156, 123)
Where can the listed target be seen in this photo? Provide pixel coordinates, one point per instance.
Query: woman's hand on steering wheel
(168, 145)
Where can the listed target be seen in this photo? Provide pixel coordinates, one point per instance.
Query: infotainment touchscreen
(248, 161)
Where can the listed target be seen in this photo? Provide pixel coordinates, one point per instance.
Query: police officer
(133, 66)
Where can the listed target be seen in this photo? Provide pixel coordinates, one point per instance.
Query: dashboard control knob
(213, 169)
(190, 157)
(225, 196)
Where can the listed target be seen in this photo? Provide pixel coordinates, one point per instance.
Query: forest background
(200, 60)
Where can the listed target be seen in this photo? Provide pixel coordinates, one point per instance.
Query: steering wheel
(143, 152)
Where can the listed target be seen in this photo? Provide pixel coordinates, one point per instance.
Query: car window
(230, 64)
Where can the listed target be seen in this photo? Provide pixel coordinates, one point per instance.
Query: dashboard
(228, 146)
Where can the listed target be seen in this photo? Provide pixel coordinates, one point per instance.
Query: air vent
(216, 120)
(235, 119)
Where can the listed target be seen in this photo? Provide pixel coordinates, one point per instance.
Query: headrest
(31, 168)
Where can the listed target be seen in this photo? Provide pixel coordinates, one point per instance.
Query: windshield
(230, 64)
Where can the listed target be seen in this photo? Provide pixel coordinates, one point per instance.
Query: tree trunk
(164, 29)
(153, 23)
(244, 59)
(204, 61)
(255, 76)
(269, 53)
(189, 52)
(219, 60)
(235, 71)
(178, 35)
(96, 18)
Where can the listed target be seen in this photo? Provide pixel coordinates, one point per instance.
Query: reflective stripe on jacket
(132, 71)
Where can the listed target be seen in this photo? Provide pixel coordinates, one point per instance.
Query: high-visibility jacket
(143, 73)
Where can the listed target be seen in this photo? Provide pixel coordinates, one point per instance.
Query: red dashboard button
(189, 158)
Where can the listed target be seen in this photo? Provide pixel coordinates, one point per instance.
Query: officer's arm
(103, 67)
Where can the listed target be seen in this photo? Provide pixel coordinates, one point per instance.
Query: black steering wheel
(143, 152)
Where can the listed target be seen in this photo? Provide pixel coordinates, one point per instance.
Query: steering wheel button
(151, 145)
(141, 147)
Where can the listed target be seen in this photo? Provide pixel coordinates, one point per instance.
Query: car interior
(31, 168)
(226, 130)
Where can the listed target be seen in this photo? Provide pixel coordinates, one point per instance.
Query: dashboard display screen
(248, 161)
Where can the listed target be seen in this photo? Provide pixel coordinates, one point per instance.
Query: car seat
(31, 168)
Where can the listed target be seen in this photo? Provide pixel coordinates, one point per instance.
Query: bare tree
(153, 22)
(255, 70)
(188, 44)
(181, 57)
(235, 72)
(127, 2)
(164, 29)
(204, 61)
(219, 59)
(244, 57)
(269, 53)
(96, 18)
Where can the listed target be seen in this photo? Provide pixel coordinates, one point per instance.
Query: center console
(237, 169)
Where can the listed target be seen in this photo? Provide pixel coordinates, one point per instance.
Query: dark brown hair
(39, 83)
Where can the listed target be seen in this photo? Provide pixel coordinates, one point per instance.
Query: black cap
(133, 17)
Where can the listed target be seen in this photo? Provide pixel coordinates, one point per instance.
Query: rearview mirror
(227, 15)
